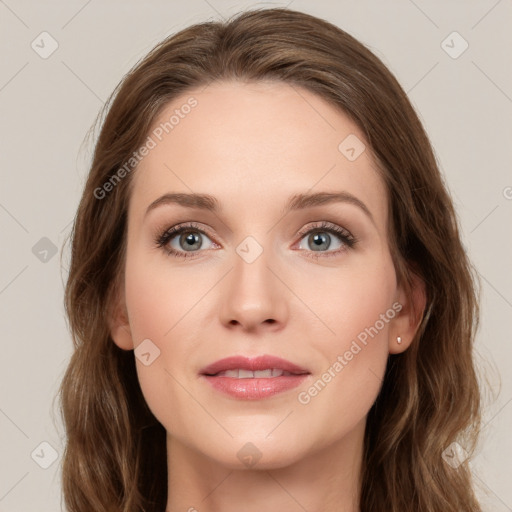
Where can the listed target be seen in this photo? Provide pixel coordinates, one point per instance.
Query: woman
(269, 299)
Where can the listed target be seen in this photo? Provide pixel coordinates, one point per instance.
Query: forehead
(252, 145)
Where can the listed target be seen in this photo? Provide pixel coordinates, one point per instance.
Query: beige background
(48, 105)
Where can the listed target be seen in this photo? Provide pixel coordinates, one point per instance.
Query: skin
(252, 146)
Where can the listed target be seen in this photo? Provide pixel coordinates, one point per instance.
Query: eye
(320, 238)
(186, 240)
(182, 239)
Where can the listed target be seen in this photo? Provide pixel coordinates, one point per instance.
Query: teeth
(258, 374)
(263, 374)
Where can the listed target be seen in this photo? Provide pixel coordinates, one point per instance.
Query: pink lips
(243, 385)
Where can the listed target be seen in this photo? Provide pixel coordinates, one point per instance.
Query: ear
(408, 319)
(118, 321)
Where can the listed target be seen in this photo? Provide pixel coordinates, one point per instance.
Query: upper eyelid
(328, 226)
(193, 225)
(182, 226)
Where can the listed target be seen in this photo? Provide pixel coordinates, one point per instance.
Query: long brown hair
(115, 458)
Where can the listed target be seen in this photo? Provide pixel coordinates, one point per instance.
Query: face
(292, 263)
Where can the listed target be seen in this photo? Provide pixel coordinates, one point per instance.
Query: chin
(255, 452)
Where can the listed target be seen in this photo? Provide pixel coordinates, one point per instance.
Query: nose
(253, 298)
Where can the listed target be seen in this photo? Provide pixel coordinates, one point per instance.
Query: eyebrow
(295, 202)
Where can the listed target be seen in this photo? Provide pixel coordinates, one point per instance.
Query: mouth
(253, 378)
(241, 373)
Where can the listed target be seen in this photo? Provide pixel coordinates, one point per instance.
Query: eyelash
(346, 237)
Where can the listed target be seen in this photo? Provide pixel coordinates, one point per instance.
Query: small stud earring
(398, 340)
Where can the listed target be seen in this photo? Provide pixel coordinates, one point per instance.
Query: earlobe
(122, 337)
(119, 325)
(408, 320)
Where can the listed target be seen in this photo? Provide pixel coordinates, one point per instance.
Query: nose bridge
(254, 294)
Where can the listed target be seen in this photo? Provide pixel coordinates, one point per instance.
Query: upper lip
(253, 364)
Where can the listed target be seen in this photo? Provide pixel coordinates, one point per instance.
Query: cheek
(351, 299)
(357, 310)
(162, 306)
(159, 300)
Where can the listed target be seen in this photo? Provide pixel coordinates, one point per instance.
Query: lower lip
(255, 389)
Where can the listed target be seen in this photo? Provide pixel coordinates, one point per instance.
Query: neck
(327, 479)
